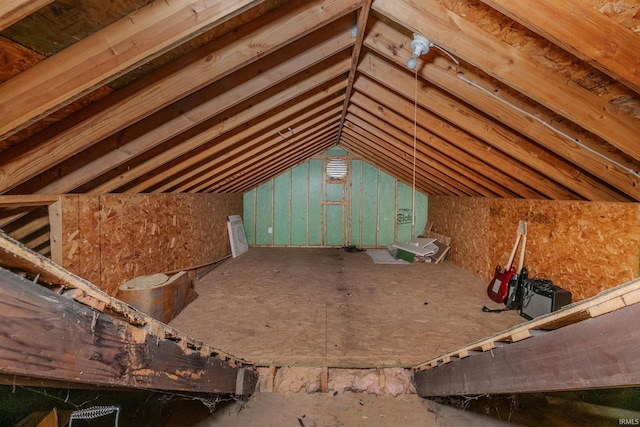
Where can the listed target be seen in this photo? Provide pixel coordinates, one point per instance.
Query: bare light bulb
(420, 46)
(412, 62)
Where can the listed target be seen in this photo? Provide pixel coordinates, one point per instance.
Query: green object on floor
(407, 256)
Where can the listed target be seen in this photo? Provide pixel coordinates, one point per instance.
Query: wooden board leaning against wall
(584, 247)
(112, 238)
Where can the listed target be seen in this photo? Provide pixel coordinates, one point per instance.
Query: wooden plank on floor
(596, 353)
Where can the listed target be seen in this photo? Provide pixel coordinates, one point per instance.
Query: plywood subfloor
(329, 307)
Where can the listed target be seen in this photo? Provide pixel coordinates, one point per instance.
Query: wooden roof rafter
(12, 12)
(402, 143)
(176, 107)
(252, 81)
(458, 137)
(613, 55)
(254, 111)
(391, 163)
(264, 161)
(476, 123)
(142, 100)
(461, 151)
(256, 149)
(106, 54)
(494, 57)
(375, 144)
(442, 73)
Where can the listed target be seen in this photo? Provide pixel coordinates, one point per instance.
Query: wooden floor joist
(563, 354)
(605, 302)
(600, 352)
(79, 334)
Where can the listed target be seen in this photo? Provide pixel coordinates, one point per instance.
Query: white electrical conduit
(536, 118)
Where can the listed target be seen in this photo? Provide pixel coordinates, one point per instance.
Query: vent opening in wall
(336, 169)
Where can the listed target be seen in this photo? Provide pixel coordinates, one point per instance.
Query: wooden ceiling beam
(257, 169)
(296, 88)
(363, 17)
(13, 201)
(251, 150)
(106, 54)
(578, 28)
(468, 150)
(438, 150)
(355, 147)
(473, 144)
(403, 143)
(368, 142)
(387, 161)
(439, 71)
(257, 155)
(358, 146)
(402, 154)
(30, 227)
(246, 83)
(234, 149)
(37, 240)
(13, 11)
(149, 95)
(315, 147)
(517, 70)
(277, 165)
(492, 132)
(394, 156)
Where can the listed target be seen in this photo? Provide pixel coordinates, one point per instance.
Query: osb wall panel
(80, 217)
(584, 247)
(462, 218)
(112, 238)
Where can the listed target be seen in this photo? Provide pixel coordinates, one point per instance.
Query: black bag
(516, 290)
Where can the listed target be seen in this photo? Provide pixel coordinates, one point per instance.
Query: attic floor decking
(329, 307)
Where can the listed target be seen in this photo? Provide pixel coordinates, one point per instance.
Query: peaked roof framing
(534, 100)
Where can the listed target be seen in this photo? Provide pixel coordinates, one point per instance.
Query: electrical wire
(536, 118)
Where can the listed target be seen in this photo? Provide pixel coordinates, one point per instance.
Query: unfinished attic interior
(336, 131)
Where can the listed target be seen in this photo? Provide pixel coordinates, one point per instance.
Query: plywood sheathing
(15, 59)
(112, 238)
(584, 247)
(624, 12)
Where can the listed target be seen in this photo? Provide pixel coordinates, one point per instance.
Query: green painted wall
(302, 207)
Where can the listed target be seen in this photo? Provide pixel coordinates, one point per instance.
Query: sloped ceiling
(532, 99)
